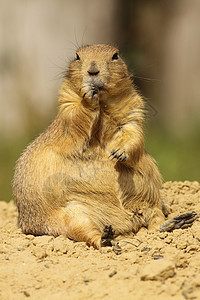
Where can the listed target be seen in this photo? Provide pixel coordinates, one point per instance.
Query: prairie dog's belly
(82, 176)
(94, 172)
(93, 167)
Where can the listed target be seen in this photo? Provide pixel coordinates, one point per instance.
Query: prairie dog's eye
(77, 57)
(115, 56)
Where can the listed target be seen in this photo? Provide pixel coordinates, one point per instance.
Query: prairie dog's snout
(93, 69)
(94, 77)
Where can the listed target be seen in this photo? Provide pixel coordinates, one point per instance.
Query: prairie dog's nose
(93, 69)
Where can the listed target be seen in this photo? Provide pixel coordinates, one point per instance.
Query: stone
(158, 270)
(39, 252)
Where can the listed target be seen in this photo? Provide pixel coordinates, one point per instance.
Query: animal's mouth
(97, 83)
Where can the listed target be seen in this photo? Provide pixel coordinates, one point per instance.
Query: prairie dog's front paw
(90, 94)
(119, 155)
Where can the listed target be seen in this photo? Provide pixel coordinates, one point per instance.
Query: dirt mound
(152, 264)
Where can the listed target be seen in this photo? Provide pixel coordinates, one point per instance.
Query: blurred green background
(160, 42)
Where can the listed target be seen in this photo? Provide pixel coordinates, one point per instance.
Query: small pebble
(145, 249)
(26, 294)
(112, 273)
(86, 281)
(20, 249)
(157, 256)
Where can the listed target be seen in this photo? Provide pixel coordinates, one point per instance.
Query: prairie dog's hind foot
(180, 222)
(107, 239)
(107, 236)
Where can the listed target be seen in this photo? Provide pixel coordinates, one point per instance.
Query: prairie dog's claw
(120, 156)
(107, 236)
(181, 221)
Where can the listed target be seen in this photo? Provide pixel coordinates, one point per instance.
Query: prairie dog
(88, 172)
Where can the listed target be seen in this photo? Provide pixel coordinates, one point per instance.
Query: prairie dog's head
(100, 68)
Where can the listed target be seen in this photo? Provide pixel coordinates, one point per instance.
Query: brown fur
(65, 182)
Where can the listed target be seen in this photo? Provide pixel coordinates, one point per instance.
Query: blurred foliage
(177, 158)
(9, 153)
(11, 149)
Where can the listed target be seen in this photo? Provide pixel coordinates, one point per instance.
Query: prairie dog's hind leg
(79, 226)
(96, 225)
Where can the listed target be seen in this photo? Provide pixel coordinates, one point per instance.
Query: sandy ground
(152, 264)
